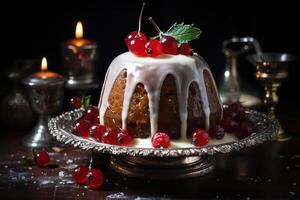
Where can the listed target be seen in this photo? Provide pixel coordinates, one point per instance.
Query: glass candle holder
(79, 62)
(46, 95)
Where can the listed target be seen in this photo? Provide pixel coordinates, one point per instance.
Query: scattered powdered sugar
(281, 156)
(63, 178)
(118, 195)
(44, 182)
(69, 161)
(70, 166)
(295, 157)
(292, 193)
(61, 174)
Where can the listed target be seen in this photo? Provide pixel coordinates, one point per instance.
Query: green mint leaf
(26, 161)
(86, 101)
(183, 32)
(34, 152)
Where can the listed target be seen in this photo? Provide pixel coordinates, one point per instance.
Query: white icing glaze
(151, 72)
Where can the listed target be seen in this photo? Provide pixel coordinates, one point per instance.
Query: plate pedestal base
(162, 168)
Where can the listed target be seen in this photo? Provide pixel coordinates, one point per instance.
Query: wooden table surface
(267, 171)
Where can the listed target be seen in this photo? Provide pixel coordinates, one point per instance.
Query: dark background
(31, 30)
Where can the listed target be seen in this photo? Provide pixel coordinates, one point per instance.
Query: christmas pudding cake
(161, 94)
(174, 94)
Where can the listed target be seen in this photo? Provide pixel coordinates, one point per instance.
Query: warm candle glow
(44, 64)
(79, 30)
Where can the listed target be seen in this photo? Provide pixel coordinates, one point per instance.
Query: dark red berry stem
(155, 26)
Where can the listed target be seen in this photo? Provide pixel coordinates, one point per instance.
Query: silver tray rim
(266, 129)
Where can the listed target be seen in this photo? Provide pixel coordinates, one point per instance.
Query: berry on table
(80, 173)
(185, 49)
(199, 138)
(41, 158)
(124, 138)
(160, 140)
(96, 131)
(153, 48)
(75, 102)
(82, 127)
(169, 45)
(94, 179)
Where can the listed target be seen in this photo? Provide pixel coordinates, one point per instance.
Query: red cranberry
(94, 179)
(124, 138)
(137, 46)
(160, 140)
(75, 102)
(42, 159)
(153, 48)
(199, 138)
(244, 129)
(134, 34)
(236, 111)
(217, 131)
(98, 120)
(185, 49)
(82, 127)
(96, 131)
(110, 137)
(229, 124)
(80, 173)
(92, 114)
(169, 45)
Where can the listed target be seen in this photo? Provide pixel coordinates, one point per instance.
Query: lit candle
(44, 73)
(79, 41)
(80, 61)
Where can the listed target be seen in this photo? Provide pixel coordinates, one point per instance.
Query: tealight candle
(79, 60)
(44, 73)
(46, 94)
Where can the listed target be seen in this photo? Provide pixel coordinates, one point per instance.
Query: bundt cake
(175, 94)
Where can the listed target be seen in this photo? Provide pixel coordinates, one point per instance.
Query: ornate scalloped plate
(61, 128)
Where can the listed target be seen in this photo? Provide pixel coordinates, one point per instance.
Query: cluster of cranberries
(138, 44)
(88, 126)
(93, 178)
(234, 121)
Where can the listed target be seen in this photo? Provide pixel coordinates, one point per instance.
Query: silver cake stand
(171, 163)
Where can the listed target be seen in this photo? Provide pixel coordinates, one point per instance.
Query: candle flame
(44, 64)
(79, 30)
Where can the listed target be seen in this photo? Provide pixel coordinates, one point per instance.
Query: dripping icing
(151, 72)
